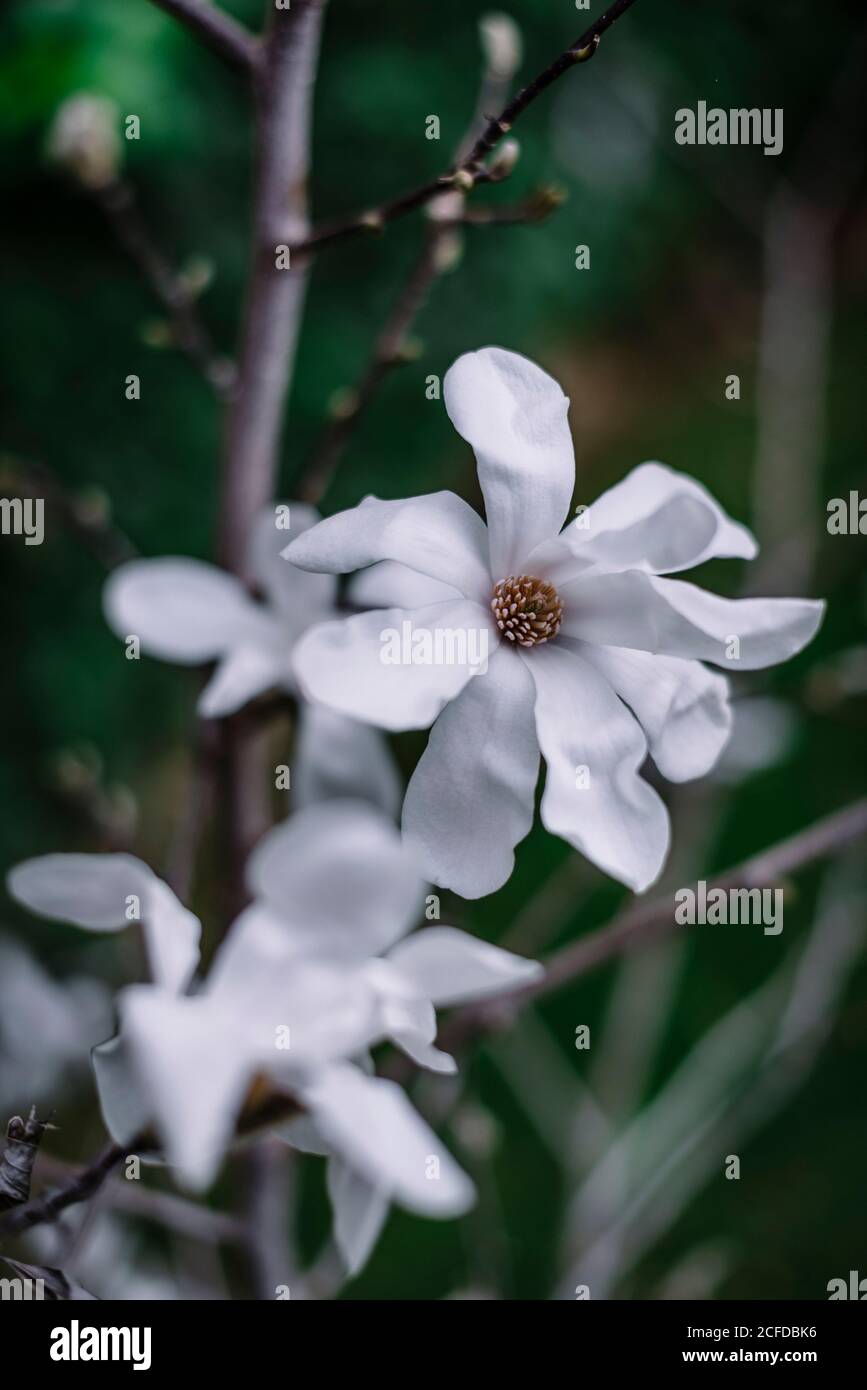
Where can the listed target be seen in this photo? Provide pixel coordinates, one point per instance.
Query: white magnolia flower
(335, 884)
(191, 612)
(47, 1027)
(595, 660)
(296, 991)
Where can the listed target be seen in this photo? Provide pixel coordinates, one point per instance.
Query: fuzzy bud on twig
(84, 141)
(501, 45)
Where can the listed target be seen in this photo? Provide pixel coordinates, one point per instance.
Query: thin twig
(471, 170)
(118, 201)
(87, 517)
(392, 348)
(645, 922)
(217, 30)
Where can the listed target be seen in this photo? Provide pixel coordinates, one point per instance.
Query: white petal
(439, 535)
(409, 1019)
(243, 673)
(301, 1133)
(340, 877)
(658, 520)
(372, 1125)
(172, 936)
(292, 1010)
(682, 707)
(360, 1211)
(338, 757)
(194, 1072)
(122, 1097)
(593, 748)
(390, 585)
(514, 416)
(90, 890)
(182, 610)
(93, 891)
(301, 598)
(394, 667)
(452, 967)
(470, 799)
(678, 619)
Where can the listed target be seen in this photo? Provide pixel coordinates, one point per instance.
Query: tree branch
(79, 1189)
(276, 297)
(471, 170)
(217, 30)
(273, 312)
(644, 922)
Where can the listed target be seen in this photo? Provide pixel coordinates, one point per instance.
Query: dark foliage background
(642, 342)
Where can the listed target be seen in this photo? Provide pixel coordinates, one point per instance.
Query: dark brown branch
(49, 1207)
(645, 921)
(471, 170)
(216, 29)
(390, 350)
(392, 347)
(118, 202)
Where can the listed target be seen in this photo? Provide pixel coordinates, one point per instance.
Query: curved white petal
(90, 890)
(682, 707)
(300, 597)
(360, 1212)
(337, 757)
(657, 520)
(301, 1133)
(393, 667)
(514, 416)
(409, 1019)
(674, 618)
(439, 535)
(181, 610)
(246, 671)
(371, 1124)
(195, 1074)
(449, 966)
(123, 1100)
(594, 748)
(339, 875)
(390, 585)
(470, 799)
(99, 892)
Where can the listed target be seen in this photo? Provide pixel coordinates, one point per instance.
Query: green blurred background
(698, 257)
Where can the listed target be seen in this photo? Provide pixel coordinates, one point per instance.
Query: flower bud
(83, 139)
(504, 159)
(501, 45)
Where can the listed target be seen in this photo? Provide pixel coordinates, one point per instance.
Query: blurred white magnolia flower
(595, 660)
(191, 612)
(47, 1027)
(335, 884)
(294, 993)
